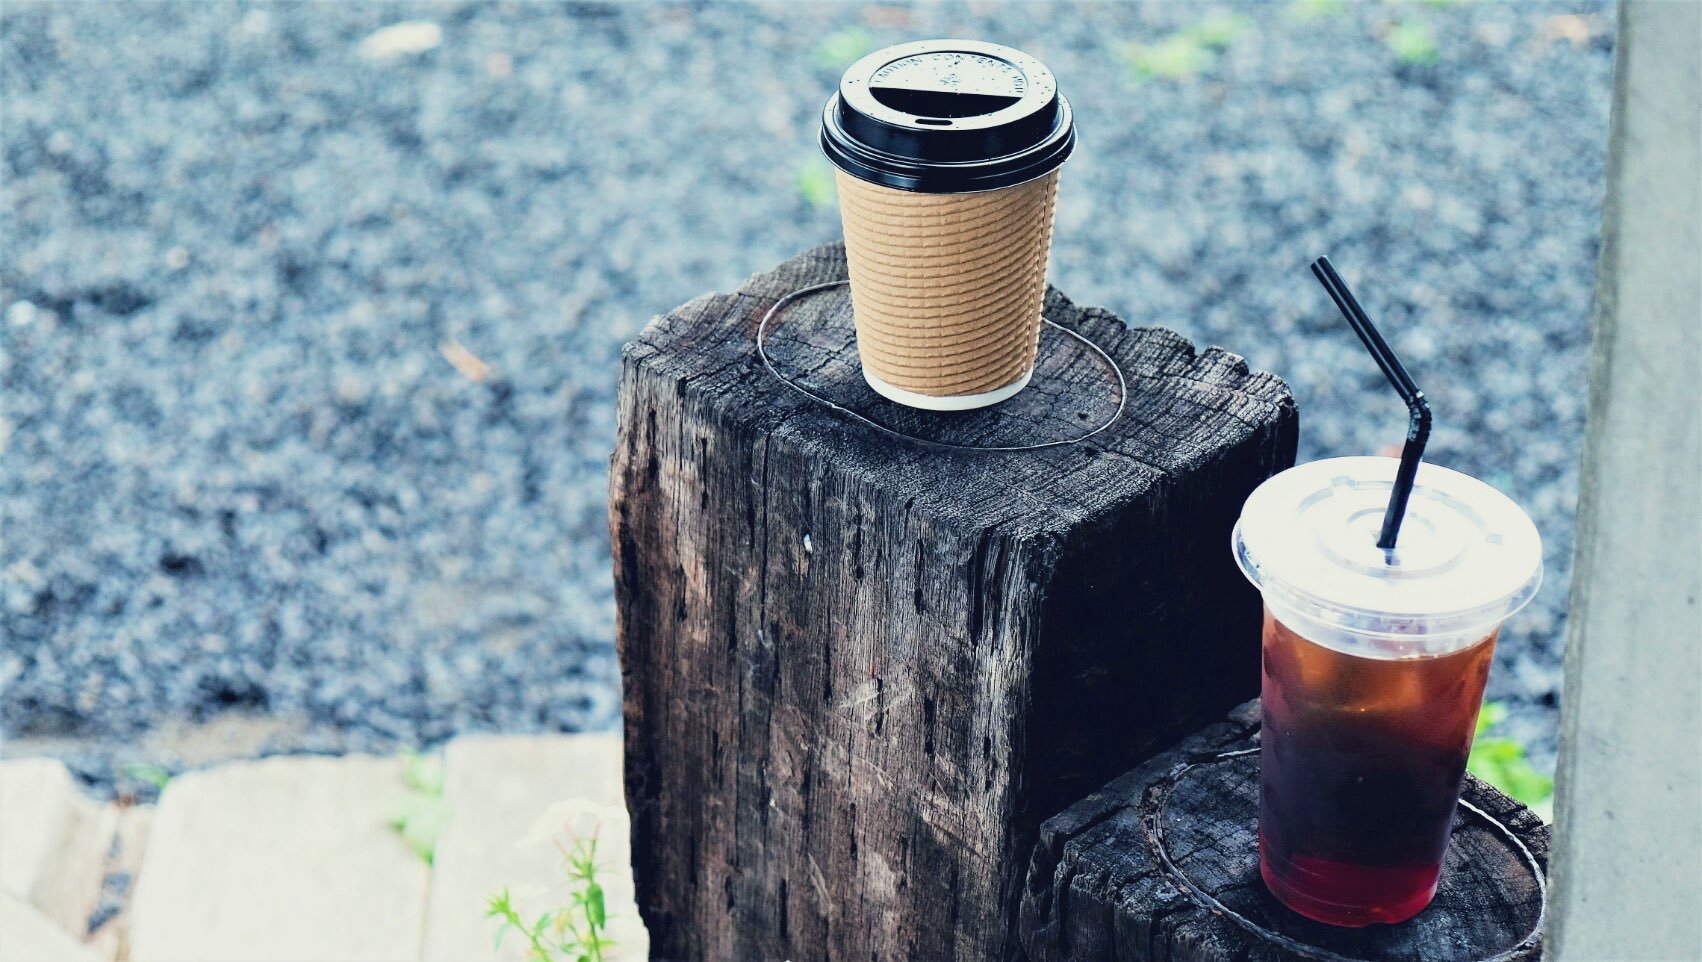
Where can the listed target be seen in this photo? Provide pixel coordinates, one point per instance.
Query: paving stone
(54, 841)
(26, 935)
(497, 788)
(281, 859)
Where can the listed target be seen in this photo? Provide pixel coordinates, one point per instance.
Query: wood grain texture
(1097, 892)
(858, 670)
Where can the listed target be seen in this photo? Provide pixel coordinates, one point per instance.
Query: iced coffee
(1374, 669)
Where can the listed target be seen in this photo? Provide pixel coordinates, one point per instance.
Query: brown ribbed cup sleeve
(947, 288)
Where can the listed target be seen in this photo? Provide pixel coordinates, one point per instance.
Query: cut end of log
(859, 670)
(1163, 865)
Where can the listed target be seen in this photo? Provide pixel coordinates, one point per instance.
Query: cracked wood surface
(1097, 892)
(858, 671)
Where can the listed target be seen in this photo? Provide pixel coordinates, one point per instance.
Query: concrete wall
(1628, 853)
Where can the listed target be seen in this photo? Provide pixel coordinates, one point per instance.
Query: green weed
(575, 932)
(1218, 30)
(842, 48)
(1413, 42)
(1312, 9)
(1501, 762)
(1189, 51)
(420, 815)
(816, 185)
(147, 773)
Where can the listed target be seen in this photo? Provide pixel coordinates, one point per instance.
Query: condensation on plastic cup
(1468, 557)
(1374, 666)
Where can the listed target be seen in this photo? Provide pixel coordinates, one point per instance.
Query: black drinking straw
(1418, 409)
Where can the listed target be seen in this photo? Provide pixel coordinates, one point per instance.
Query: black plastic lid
(947, 117)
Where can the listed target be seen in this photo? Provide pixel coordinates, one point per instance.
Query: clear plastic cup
(1374, 669)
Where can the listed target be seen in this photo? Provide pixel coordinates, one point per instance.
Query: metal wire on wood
(1152, 821)
(783, 302)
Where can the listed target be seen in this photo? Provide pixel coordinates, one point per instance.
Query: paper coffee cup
(948, 154)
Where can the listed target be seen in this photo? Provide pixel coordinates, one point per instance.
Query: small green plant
(1218, 30)
(1174, 58)
(1413, 42)
(1311, 9)
(147, 773)
(420, 815)
(842, 48)
(815, 183)
(1186, 52)
(1501, 762)
(577, 931)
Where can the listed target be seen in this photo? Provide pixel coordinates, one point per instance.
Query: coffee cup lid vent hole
(947, 85)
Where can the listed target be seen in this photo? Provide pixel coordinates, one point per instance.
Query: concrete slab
(54, 841)
(497, 788)
(26, 935)
(280, 860)
(1628, 789)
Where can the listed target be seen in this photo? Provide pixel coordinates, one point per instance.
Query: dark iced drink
(1374, 669)
(1361, 765)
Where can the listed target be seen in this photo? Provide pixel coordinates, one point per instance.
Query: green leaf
(594, 905)
(420, 815)
(147, 773)
(1501, 762)
(403, 809)
(1492, 714)
(1186, 52)
(1413, 42)
(842, 48)
(1309, 9)
(1527, 784)
(1497, 752)
(424, 774)
(1217, 30)
(420, 821)
(816, 185)
(1175, 58)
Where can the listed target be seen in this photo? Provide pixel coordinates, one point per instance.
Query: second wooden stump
(1162, 865)
(860, 670)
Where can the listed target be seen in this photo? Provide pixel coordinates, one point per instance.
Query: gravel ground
(310, 344)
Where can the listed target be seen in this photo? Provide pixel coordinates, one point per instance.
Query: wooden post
(1628, 799)
(1098, 890)
(859, 670)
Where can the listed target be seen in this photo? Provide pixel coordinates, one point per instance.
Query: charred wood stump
(1162, 865)
(859, 668)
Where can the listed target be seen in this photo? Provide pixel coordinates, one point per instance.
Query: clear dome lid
(1466, 559)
